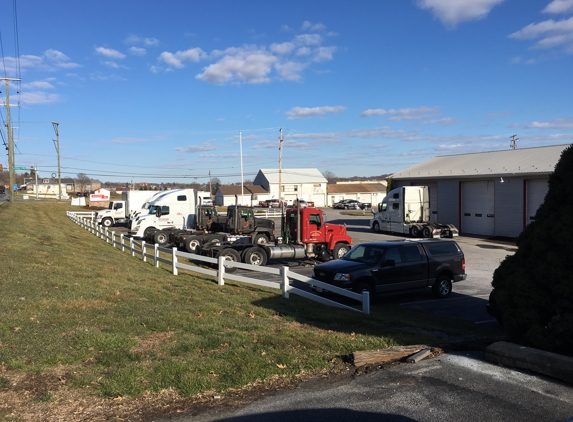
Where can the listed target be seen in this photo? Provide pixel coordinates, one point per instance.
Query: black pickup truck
(396, 266)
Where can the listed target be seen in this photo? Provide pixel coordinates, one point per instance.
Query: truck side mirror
(158, 212)
(388, 263)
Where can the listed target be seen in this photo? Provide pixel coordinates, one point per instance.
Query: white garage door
(536, 191)
(478, 208)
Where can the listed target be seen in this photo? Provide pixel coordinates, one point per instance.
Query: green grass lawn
(121, 327)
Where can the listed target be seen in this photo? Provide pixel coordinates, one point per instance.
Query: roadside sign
(20, 168)
(15, 186)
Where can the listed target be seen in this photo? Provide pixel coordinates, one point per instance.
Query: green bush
(534, 287)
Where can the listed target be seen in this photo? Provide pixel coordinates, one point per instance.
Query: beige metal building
(302, 183)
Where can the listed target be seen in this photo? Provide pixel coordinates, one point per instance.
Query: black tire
(255, 256)
(376, 227)
(427, 232)
(192, 244)
(260, 239)
(415, 231)
(148, 233)
(161, 238)
(340, 249)
(107, 222)
(214, 239)
(442, 287)
(231, 255)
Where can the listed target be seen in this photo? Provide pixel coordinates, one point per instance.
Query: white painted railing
(152, 252)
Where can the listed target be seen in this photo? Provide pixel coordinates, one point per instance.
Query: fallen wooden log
(376, 357)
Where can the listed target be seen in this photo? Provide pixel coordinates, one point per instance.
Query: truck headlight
(342, 277)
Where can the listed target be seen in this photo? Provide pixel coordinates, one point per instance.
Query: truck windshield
(365, 253)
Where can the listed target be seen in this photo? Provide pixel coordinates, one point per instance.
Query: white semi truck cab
(406, 210)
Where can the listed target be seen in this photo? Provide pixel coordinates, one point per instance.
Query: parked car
(395, 266)
(274, 203)
(2, 189)
(365, 205)
(340, 204)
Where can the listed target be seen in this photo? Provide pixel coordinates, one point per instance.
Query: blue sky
(158, 91)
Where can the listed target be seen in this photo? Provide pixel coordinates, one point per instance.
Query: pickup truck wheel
(427, 232)
(230, 255)
(376, 227)
(107, 222)
(161, 238)
(192, 244)
(415, 231)
(340, 249)
(255, 256)
(443, 287)
(260, 239)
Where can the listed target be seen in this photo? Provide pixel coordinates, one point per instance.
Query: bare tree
(82, 180)
(328, 175)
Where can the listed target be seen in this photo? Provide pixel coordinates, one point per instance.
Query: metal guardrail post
(174, 260)
(156, 255)
(285, 282)
(366, 302)
(143, 257)
(221, 272)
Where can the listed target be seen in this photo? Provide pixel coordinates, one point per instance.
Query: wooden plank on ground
(376, 357)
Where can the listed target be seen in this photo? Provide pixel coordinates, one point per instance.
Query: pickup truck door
(410, 269)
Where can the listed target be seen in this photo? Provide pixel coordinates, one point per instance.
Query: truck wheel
(192, 244)
(161, 238)
(415, 231)
(340, 250)
(148, 232)
(230, 255)
(214, 239)
(107, 222)
(442, 287)
(260, 239)
(426, 232)
(255, 256)
(376, 227)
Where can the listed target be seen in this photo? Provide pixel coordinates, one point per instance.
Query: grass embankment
(78, 315)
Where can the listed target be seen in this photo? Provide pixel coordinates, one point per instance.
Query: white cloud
(302, 112)
(38, 97)
(114, 65)
(452, 12)
(150, 42)
(197, 148)
(37, 85)
(290, 71)
(283, 48)
(446, 121)
(559, 6)
(110, 53)
(551, 33)
(303, 51)
(308, 39)
(177, 59)
(323, 54)
(244, 66)
(403, 113)
(308, 26)
(552, 124)
(137, 51)
(59, 59)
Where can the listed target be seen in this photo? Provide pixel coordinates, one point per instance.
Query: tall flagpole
(242, 188)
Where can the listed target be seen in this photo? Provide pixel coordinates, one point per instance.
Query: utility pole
(280, 166)
(242, 188)
(210, 186)
(514, 140)
(36, 174)
(57, 144)
(10, 138)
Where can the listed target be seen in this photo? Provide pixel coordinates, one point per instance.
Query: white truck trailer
(119, 211)
(406, 210)
(174, 209)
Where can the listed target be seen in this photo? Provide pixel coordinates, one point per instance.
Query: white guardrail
(146, 251)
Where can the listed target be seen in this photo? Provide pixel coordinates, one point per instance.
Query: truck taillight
(464, 264)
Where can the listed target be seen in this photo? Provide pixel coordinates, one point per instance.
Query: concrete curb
(516, 356)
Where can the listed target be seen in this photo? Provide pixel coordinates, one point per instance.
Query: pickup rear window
(442, 248)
